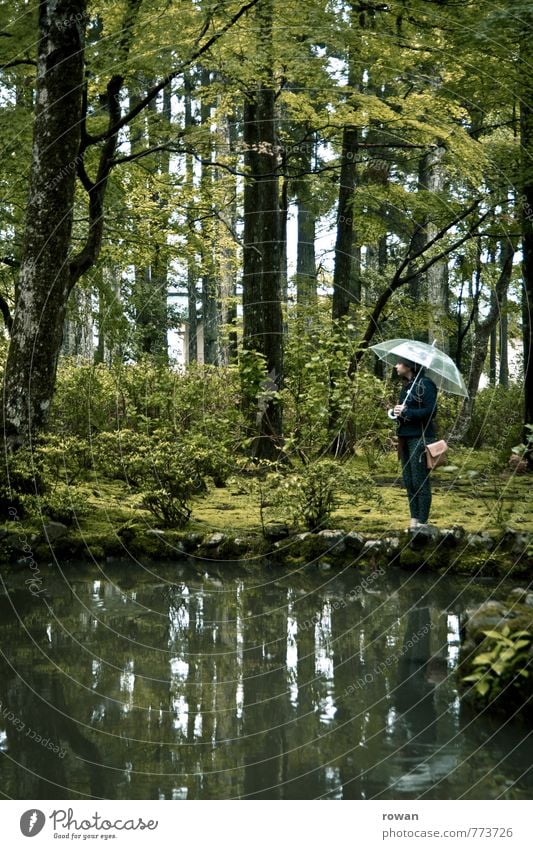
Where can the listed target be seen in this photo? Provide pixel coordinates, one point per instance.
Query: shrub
(22, 477)
(497, 419)
(167, 470)
(503, 668)
(319, 397)
(87, 400)
(312, 493)
(64, 504)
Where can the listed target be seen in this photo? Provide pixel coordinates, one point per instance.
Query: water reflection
(132, 686)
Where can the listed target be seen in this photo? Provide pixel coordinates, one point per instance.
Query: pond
(182, 681)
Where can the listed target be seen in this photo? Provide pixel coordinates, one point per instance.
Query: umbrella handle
(391, 415)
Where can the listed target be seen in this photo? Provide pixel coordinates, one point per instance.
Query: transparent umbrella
(437, 365)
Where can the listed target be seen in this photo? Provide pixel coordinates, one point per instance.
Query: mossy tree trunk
(45, 279)
(526, 211)
(261, 300)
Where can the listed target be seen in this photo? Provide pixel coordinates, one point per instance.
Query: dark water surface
(171, 682)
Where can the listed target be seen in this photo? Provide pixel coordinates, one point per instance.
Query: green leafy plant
(497, 420)
(312, 493)
(65, 504)
(503, 667)
(166, 469)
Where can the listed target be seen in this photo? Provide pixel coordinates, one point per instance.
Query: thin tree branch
(398, 280)
(126, 119)
(15, 62)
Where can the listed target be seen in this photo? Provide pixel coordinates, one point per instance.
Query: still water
(174, 682)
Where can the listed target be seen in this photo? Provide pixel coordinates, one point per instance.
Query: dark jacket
(421, 410)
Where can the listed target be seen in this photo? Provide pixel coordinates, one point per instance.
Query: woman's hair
(415, 367)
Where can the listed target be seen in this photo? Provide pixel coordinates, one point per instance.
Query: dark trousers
(416, 477)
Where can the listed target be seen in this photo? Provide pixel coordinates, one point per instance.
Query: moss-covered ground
(470, 493)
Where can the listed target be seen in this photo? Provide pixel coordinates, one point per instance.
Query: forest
(211, 210)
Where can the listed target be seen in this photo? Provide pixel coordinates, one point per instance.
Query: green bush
(22, 476)
(65, 504)
(497, 419)
(167, 470)
(88, 400)
(145, 397)
(319, 397)
(311, 494)
(503, 667)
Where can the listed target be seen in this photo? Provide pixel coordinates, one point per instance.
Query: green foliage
(145, 396)
(88, 400)
(503, 667)
(317, 385)
(165, 470)
(64, 458)
(497, 419)
(64, 504)
(252, 376)
(311, 494)
(22, 477)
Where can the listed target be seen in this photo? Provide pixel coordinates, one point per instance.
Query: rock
(451, 537)
(191, 541)
(275, 531)
(334, 540)
(301, 537)
(214, 540)
(240, 545)
(489, 616)
(520, 595)
(54, 530)
(387, 545)
(423, 536)
(483, 540)
(355, 542)
(515, 541)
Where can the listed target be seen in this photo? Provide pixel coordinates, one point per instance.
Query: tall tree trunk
(526, 210)
(45, 280)
(433, 285)
(109, 308)
(437, 275)
(151, 283)
(78, 330)
(306, 291)
(209, 283)
(503, 377)
(342, 273)
(493, 344)
(262, 315)
(227, 263)
(191, 354)
(481, 336)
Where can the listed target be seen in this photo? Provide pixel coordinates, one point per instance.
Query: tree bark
(210, 293)
(191, 354)
(45, 278)
(526, 214)
(342, 273)
(481, 336)
(262, 314)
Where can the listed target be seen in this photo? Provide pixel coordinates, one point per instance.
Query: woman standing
(415, 413)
